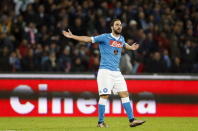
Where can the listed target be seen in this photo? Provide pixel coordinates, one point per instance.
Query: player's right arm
(78, 38)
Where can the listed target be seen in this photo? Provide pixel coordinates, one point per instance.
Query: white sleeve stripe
(92, 39)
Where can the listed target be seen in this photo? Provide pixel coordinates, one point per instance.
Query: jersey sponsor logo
(115, 44)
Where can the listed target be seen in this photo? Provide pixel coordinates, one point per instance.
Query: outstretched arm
(75, 37)
(134, 46)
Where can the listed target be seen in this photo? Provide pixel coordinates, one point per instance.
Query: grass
(89, 124)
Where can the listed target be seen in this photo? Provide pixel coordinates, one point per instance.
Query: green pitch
(89, 124)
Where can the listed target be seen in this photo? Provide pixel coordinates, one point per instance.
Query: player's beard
(118, 31)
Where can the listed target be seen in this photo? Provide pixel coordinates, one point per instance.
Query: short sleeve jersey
(110, 50)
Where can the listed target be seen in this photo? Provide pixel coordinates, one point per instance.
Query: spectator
(176, 66)
(32, 29)
(21, 5)
(77, 65)
(125, 63)
(14, 62)
(166, 58)
(156, 64)
(188, 56)
(28, 61)
(51, 63)
(65, 60)
(4, 59)
(31, 33)
(23, 48)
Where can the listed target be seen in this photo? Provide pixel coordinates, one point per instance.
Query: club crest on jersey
(115, 44)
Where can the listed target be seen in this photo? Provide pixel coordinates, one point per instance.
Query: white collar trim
(115, 37)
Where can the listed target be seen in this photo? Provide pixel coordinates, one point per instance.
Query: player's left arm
(134, 46)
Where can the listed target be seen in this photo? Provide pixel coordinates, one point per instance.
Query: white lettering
(42, 101)
(116, 109)
(86, 106)
(16, 104)
(107, 108)
(56, 105)
(68, 106)
(146, 107)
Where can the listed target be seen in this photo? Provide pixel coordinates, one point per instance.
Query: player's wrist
(72, 36)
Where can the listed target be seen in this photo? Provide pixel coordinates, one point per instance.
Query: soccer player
(109, 77)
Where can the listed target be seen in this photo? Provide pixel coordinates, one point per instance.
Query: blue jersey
(110, 50)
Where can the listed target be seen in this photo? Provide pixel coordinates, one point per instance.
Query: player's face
(117, 27)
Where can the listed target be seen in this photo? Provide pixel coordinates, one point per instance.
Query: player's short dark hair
(114, 20)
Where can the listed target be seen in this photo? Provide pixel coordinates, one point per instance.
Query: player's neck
(116, 36)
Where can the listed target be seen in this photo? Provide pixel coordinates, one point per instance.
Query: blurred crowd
(31, 37)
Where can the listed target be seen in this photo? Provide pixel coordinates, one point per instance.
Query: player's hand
(67, 34)
(134, 46)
